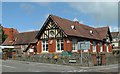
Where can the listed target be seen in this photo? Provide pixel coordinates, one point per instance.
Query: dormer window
(91, 32)
(72, 27)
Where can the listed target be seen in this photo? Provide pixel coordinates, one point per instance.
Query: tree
(4, 36)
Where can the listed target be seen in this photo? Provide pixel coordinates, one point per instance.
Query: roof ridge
(61, 17)
(70, 20)
(30, 31)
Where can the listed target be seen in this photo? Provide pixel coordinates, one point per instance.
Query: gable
(108, 36)
(50, 29)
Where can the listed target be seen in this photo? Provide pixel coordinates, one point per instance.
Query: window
(74, 44)
(45, 45)
(60, 45)
(94, 46)
(101, 47)
(52, 33)
(107, 45)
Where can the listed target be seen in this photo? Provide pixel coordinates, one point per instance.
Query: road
(21, 66)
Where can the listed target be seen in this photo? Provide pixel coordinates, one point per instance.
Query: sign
(6, 47)
(66, 53)
(72, 61)
(84, 45)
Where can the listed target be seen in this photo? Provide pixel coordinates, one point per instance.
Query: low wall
(87, 59)
(112, 59)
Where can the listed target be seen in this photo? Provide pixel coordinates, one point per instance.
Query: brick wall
(39, 47)
(52, 45)
(67, 45)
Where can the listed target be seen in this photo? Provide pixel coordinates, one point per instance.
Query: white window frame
(75, 46)
(46, 43)
(85, 50)
(94, 46)
(107, 47)
(60, 45)
(101, 47)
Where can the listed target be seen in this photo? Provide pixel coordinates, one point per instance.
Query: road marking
(8, 66)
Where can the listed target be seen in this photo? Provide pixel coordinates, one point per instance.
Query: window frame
(46, 45)
(94, 46)
(101, 47)
(107, 47)
(60, 45)
(74, 46)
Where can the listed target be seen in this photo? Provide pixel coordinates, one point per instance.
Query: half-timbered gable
(50, 29)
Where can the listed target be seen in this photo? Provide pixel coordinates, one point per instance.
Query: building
(22, 42)
(116, 42)
(7, 40)
(8, 35)
(58, 35)
(25, 42)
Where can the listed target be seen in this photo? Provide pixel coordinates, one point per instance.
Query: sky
(29, 16)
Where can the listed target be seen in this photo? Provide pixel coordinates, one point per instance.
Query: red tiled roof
(102, 31)
(10, 32)
(25, 38)
(114, 34)
(7, 31)
(81, 30)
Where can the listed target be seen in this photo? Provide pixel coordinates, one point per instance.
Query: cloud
(101, 11)
(0, 12)
(27, 8)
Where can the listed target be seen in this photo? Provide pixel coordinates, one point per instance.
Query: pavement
(23, 66)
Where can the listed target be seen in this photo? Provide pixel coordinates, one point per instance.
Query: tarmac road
(22, 66)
